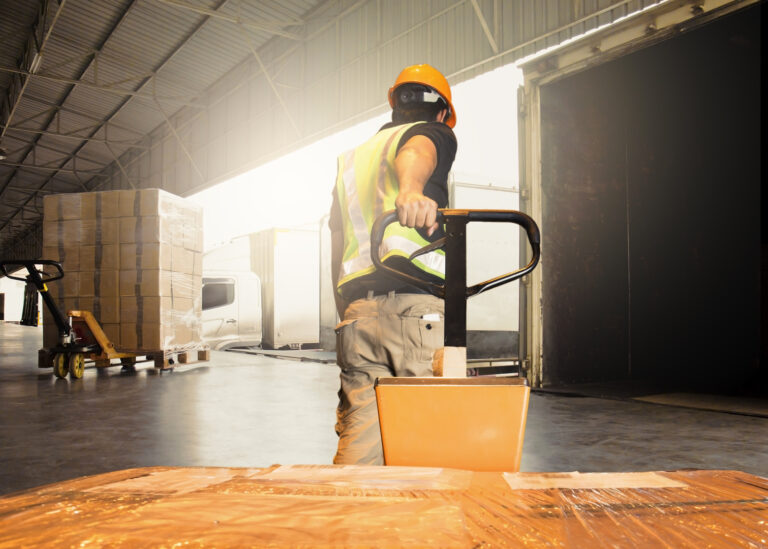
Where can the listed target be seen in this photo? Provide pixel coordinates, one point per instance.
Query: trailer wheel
(76, 365)
(60, 365)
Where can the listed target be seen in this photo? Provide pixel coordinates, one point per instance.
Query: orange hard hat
(428, 76)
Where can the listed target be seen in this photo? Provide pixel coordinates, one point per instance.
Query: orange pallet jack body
(454, 421)
(79, 338)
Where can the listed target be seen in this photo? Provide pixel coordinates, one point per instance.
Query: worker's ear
(441, 116)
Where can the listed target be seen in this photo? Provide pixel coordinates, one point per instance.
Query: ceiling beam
(67, 110)
(270, 26)
(182, 100)
(50, 148)
(121, 142)
(484, 25)
(118, 22)
(163, 63)
(32, 58)
(92, 173)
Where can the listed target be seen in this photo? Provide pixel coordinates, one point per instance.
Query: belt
(353, 294)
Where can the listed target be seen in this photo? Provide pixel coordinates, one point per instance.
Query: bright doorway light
(295, 190)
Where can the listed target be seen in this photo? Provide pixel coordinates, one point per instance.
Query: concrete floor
(244, 410)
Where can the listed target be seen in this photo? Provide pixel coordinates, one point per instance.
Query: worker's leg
(357, 417)
(361, 359)
(380, 337)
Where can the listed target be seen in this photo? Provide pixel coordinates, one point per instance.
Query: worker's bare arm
(414, 164)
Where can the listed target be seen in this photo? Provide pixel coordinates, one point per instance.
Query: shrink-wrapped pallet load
(132, 258)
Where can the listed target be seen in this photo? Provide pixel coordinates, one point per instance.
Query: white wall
(14, 298)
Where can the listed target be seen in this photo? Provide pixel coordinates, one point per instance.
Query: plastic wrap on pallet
(134, 259)
(362, 506)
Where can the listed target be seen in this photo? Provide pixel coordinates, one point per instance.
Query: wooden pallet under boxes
(132, 258)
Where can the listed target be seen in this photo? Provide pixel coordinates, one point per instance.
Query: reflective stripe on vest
(366, 186)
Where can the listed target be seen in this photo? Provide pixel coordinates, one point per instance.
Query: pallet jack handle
(455, 290)
(455, 221)
(39, 278)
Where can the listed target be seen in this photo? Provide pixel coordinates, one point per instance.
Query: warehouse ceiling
(181, 94)
(82, 82)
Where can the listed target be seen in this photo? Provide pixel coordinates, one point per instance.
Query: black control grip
(467, 216)
(31, 266)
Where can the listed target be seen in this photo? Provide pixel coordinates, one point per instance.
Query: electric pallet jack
(80, 334)
(451, 420)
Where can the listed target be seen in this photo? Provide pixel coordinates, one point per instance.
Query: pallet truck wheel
(60, 365)
(129, 365)
(76, 365)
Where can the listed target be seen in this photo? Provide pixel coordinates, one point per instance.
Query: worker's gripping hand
(417, 211)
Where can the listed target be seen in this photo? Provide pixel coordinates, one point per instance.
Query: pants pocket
(421, 337)
(345, 343)
(431, 337)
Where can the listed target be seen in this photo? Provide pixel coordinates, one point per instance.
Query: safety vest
(366, 186)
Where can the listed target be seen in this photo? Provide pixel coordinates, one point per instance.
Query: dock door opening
(652, 214)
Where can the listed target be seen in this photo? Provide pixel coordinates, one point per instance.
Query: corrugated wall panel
(351, 54)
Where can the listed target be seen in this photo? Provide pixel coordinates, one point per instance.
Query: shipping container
(287, 263)
(329, 317)
(640, 159)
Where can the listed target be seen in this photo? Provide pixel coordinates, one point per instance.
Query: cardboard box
(101, 231)
(381, 506)
(112, 331)
(143, 336)
(60, 234)
(146, 283)
(182, 261)
(153, 202)
(152, 310)
(101, 204)
(51, 252)
(68, 257)
(99, 283)
(141, 202)
(146, 256)
(183, 285)
(134, 259)
(106, 257)
(58, 207)
(106, 309)
(50, 331)
(69, 286)
(144, 230)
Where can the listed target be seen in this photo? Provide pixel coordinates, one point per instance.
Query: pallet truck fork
(80, 334)
(451, 420)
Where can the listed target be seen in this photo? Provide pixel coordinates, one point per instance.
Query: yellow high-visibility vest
(366, 186)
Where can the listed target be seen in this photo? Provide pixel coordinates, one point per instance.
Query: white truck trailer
(265, 288)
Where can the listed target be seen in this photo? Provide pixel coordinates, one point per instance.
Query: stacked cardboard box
(381, 506)
(132, 258)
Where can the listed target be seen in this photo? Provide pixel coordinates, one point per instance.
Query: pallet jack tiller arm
(455, 290)
(73, 348)
(39, 278)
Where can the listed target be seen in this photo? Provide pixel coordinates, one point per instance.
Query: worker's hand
(417, 211)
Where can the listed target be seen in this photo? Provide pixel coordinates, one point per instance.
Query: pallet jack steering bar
(39, 278)
(455, 290)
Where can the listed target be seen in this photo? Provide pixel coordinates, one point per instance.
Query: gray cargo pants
(382, 336)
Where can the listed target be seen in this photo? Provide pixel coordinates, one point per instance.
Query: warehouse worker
(389, 328)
